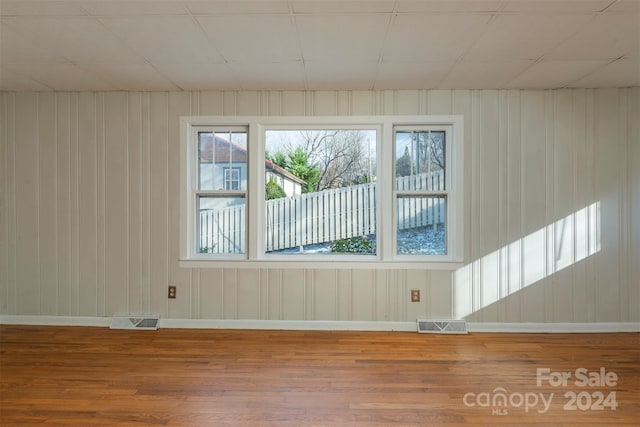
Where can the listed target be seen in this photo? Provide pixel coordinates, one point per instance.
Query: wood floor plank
(74, 376)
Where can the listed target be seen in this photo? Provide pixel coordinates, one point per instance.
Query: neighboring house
(223, 166)
(291, 184)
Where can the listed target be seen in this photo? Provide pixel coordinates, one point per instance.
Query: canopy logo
(500, 401)
(600, 399)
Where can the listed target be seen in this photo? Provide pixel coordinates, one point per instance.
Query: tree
(424, 152)
(273, 191)
(279, 158)
(339, 156)
(326, 159)
(430, 147)
(296, 161)
(300, 167)
(403, 164)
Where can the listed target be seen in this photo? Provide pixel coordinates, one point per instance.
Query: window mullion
(255, 187)
(387, 188)
(220, 193)
(421, 193)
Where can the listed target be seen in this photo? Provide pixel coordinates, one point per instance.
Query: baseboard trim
(55, 320)
(326, 325)
(311, 325)
(555, 328)
(318, 325)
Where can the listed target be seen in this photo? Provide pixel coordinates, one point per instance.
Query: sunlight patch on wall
(526, 261)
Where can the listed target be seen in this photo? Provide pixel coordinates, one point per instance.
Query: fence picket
(323, 216)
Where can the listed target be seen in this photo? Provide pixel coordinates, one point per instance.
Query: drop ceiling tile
(468, 6)
(61, 77)
(12, 81)
(122, 7)
(254, 38)
(625, 6)
(483, 75)
(76, 39)
(323, 75)
(129, 77)
(39, 8)
(164, 38)
(411, 75)
(18, 47)
(401, 44)
(340, 38)
(200, 76)
(270, 76)
(432, 37)
(621, 73)
(554, 74)
(240, 6)
(359, 6)
(554, 6)
(525, 36)
(609, 36)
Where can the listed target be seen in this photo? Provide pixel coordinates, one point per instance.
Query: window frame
(189, 179)
(446, 193)
(386, 257)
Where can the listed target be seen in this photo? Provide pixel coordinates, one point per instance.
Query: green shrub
(273, 190)
(357, 245)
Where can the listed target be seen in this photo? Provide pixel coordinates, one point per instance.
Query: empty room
(319, 213)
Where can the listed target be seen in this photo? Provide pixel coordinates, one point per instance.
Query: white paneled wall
(89, 210)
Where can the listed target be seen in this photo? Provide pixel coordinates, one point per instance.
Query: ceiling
(149, 45)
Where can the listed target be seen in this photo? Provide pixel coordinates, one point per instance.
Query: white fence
(322, 217)
(434, 181)
(222, 231)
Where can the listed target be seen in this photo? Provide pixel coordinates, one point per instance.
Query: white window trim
(450, 213)
(386, 257)
(189, 193)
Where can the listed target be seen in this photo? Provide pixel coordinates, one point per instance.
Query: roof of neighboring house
(237, 155)
(222, 148)
(269, 165)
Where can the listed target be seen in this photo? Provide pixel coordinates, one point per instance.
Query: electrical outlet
(415, 295)
(172, 292)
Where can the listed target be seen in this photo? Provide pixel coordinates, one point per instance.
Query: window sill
(333, 265)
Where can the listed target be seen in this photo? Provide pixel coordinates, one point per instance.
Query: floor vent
(141, 322)
(442, 327)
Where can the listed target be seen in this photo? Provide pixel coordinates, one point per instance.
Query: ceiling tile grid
(169, 45)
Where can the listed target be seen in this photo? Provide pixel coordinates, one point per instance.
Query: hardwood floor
(73, 376)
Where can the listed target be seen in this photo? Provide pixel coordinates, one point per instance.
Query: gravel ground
(422, 241)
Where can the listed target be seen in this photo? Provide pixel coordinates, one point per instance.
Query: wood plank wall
(89, 208)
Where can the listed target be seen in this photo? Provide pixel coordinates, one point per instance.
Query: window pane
(420, 160)
(320, 191)
(421, 225)
(221, 225)
(219, 154)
